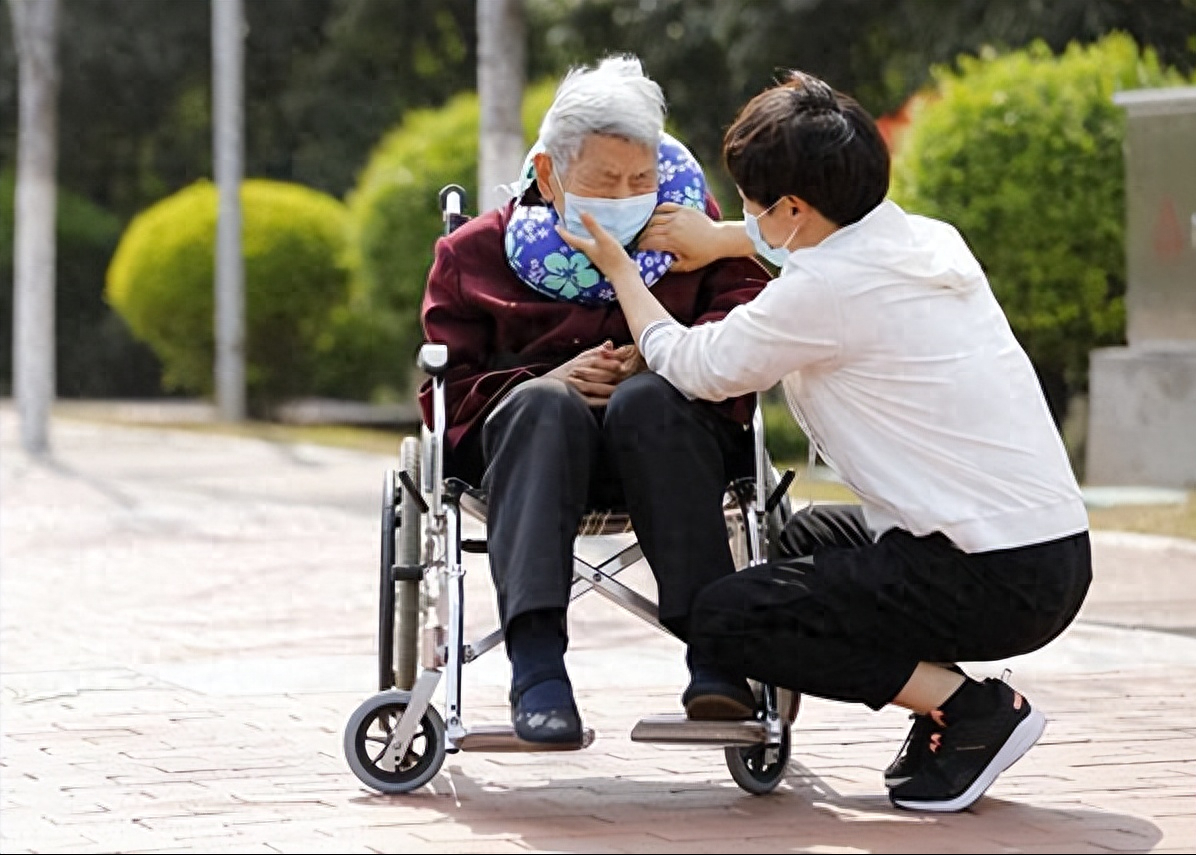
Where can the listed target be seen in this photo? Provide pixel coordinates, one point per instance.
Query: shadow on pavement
(805, 813)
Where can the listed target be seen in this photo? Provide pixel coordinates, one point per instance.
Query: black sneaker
(909, 759)
(917, 745)
(966, 756)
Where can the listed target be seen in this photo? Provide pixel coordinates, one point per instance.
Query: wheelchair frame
(396, 741)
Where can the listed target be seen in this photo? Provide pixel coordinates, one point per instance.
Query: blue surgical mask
(623, 218)
(775, 255)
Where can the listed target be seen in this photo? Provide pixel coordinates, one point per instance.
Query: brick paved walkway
(187, 621)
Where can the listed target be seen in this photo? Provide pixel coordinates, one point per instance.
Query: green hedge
(1023, 153)
(96, 356)
(161, 281)
(395, 210)
(786, 442)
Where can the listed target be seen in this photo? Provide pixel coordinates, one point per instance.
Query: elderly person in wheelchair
(549, 408)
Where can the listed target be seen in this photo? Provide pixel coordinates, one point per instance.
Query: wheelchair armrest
(779, 492)
(433, 359)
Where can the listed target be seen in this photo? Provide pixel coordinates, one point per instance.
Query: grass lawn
(1178, 520)
(374, 440)
(1175, 520)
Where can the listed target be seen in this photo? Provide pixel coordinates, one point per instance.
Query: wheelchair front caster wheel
(370, 728)
(759, 768)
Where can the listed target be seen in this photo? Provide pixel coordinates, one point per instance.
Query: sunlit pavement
(187, 622)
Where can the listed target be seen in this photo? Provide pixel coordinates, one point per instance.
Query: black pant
(549, 457)
(849, 619)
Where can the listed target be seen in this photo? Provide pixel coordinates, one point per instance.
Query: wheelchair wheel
(408, 551)
(757, 768)
(366, 736)
(386, 593)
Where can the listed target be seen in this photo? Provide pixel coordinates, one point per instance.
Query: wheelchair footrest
(501, 737)
(677, 729)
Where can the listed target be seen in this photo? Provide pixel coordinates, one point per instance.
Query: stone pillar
(1142, 397)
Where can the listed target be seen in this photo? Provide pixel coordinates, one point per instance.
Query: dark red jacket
(500, 332)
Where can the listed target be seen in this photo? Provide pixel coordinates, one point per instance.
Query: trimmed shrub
(395, 211)
(1023, 154)
(161, 281)
(95, 355)
(358, 356)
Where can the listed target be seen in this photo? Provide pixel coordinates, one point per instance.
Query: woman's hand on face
(603, 250)
(687, 233)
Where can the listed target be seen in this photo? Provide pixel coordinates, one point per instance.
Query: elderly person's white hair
(614, 99)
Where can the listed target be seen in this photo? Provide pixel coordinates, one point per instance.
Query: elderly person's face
(611, 179)
(606, 168)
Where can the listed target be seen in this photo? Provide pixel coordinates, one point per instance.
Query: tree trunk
(501, 74)
(35, 28)
(228, 156)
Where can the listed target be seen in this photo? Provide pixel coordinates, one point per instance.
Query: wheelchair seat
(596, 522)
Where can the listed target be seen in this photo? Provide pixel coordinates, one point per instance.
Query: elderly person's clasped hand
(596, 372)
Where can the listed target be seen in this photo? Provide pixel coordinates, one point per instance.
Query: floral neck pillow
(541, 258)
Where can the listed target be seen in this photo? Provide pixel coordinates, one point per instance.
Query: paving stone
(187, 621)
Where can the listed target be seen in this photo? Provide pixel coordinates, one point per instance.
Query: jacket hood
(888, 238)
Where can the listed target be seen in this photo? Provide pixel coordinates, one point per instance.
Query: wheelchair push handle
(452, 206)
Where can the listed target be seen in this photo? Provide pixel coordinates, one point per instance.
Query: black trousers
(546, 457)
(848, 619)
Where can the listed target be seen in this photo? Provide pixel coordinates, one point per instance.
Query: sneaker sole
(534, 745)
(1019, 742)
(717, 708)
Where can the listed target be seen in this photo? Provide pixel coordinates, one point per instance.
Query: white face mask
(623, 218)
(776, 255)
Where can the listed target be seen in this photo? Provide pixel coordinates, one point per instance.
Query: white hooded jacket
(899, 364)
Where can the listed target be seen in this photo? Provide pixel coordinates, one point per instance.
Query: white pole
(228, 145)
(501, 60)
(35, 24)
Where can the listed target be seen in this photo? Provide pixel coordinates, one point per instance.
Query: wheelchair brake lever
(775, 497)
(413, 491)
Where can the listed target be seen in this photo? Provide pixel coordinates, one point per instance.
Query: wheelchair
(396, 741)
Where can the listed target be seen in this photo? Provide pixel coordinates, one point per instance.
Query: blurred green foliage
(786, 442)
(711, 56)
(323, 81)
(161, 282)
(326, 79)
(1022, 152)
(96, 356)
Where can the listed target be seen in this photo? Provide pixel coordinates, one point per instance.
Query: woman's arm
(753, 347)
